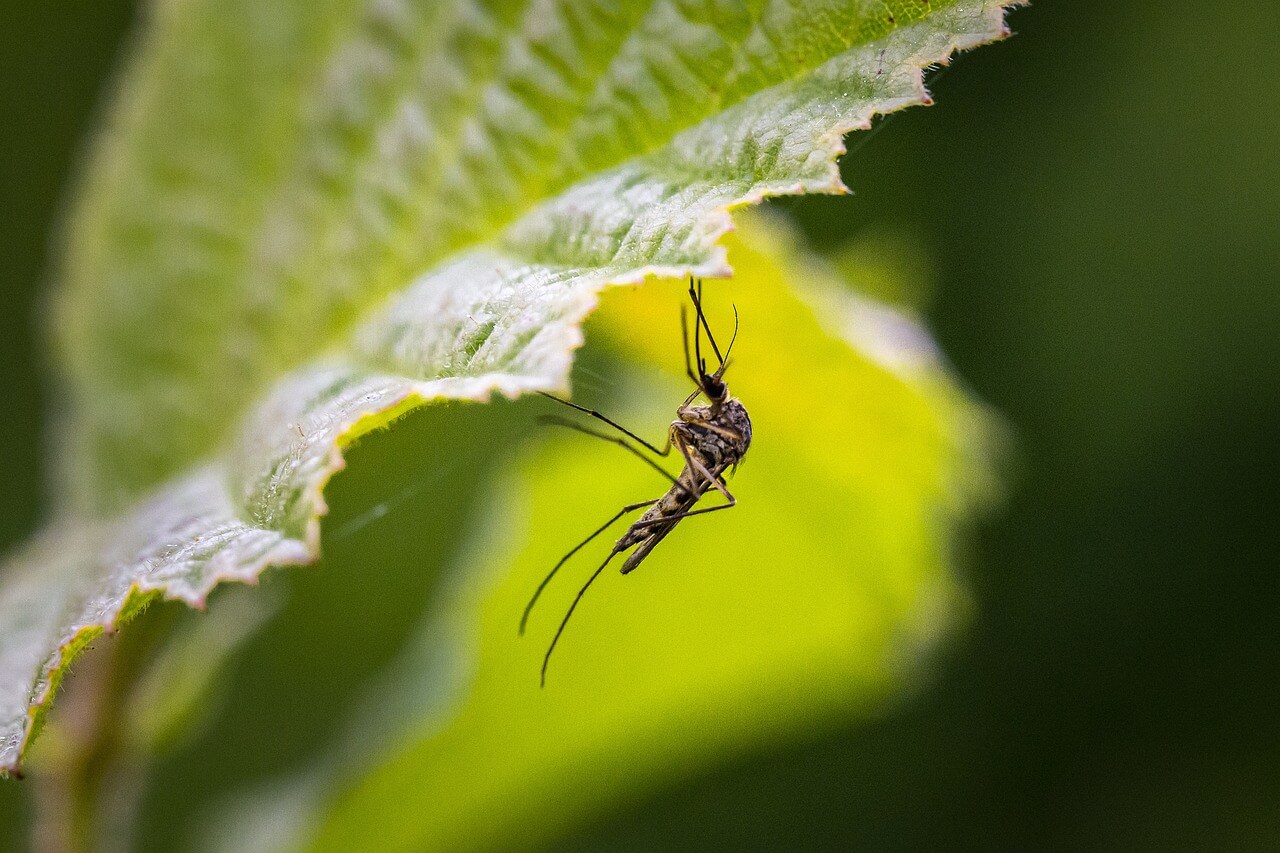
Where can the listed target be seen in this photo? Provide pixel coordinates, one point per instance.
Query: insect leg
(612, 439)
(524, 619)
(712, 479)
(732, 435)
(679, 515)
(593, 413)
(683, 414)
(547, 658)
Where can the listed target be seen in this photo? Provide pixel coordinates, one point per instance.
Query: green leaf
(305, 219)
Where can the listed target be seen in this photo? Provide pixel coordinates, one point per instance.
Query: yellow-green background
(1098, 200)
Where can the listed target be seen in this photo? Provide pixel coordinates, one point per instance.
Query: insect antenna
(684, 339)
(724, 363)
(565, 621)
(696, 296)
(697, 332)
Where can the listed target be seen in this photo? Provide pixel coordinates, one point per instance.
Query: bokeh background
(1099, 202)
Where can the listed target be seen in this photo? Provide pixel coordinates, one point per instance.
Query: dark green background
(1101, 200)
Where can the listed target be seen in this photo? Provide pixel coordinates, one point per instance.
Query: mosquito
(712, 438)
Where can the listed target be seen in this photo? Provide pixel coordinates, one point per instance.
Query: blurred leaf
(813, 600)
(179, 690)
(307, 218)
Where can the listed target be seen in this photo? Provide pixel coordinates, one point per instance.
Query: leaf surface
(304, 219)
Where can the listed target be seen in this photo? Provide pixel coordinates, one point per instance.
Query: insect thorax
(719, 437)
